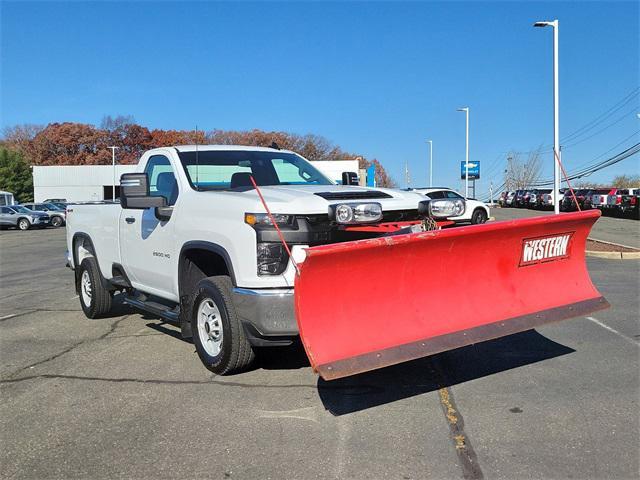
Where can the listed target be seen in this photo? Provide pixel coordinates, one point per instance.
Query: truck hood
(315, 199)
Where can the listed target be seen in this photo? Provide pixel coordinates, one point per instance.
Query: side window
(435, 195)
(162, 181)
(40, 207)
(288, 173)
(5, 210)
(450, 194)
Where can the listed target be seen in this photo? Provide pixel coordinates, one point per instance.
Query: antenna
(197, 164)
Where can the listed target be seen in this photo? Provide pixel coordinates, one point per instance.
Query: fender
(85, 236)
(185, 305)
(211, 247)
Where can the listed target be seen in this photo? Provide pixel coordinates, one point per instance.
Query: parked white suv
(475, 212)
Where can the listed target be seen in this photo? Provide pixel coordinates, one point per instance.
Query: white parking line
(612, 330)
(8, 316)
(74, 297)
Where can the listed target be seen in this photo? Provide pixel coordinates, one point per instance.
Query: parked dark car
(629, 205)
(568, 203)
(518, 199)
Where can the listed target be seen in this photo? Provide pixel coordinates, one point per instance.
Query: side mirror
(349, 178)
(134, 192)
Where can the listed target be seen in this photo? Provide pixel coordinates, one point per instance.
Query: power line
(603, 116)
(588, 126)
(585, 172)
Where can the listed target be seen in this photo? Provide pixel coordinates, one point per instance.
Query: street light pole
(430, 163)
(556, 115)
(466, 163)
(113, 161)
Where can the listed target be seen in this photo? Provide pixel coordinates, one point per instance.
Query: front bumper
(268, 311)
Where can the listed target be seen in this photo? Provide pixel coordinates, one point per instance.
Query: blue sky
(376, 78)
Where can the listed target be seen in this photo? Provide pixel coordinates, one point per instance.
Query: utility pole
(509, 171)
(466, 164)
(113, 161)
(556, 115)
(491, 193)
(407, 179)
(430, 163)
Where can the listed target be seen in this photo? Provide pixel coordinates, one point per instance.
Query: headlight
(349, 213)
(262, 219)
(272, 258)
(442, 208)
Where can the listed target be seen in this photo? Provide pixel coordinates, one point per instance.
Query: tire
(479, 216)
(218, 334)
(95, 300)
(24, 224)
(56, 221)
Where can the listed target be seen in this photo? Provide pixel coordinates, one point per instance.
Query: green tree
(15, 175)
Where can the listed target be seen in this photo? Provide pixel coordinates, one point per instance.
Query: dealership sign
(474, 170)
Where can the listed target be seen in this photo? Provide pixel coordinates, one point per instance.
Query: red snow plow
(367, 304)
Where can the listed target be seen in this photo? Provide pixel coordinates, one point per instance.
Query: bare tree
(111, 124)
(626, 181)
(521, 174)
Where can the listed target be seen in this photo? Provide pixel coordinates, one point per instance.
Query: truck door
(147, 245)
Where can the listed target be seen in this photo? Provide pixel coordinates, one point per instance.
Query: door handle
(129, 219)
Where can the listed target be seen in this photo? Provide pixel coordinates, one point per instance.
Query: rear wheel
(56, 221)
(24, 224)
(479, 216)
(218, 334)
(95, 300)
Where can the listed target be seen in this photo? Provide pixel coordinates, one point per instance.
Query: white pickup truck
(190, 241)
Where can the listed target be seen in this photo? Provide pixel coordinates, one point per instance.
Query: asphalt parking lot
(126, 397)
(624, 231)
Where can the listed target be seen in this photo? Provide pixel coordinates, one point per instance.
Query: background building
(77, 183)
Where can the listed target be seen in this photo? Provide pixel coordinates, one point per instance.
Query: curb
(613, 255)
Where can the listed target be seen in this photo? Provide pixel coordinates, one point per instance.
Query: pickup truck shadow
(371, 389)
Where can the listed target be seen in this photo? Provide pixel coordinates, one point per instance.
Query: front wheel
(479, 216)
(218, 334)
(56, 221)
(24, 224)
(95, 300)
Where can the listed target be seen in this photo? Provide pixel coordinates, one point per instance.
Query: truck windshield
(231, 169)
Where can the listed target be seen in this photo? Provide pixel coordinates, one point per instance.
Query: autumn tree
(70, 143)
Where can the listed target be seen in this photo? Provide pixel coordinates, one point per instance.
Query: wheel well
(82, 248)
(199, 263)
(479, 209)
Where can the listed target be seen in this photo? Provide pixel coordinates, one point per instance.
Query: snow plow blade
(368, 304)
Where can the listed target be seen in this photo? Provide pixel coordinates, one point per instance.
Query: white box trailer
(7, 198)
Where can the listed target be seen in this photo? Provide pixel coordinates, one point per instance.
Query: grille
(363, 195)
